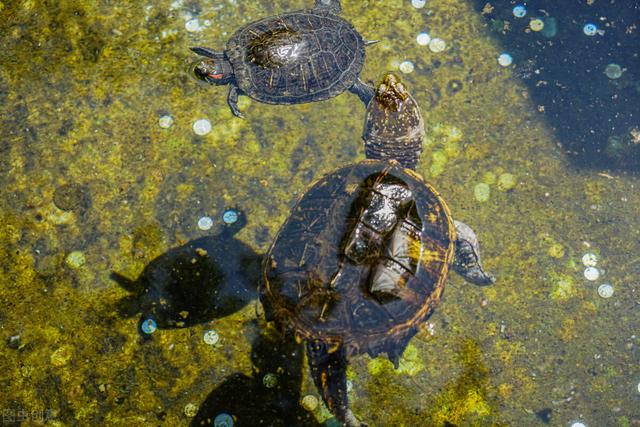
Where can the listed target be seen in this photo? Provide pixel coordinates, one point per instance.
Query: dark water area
(595, 117)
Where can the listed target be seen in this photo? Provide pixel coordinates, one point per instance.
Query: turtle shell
(362, 260)
(296, 57)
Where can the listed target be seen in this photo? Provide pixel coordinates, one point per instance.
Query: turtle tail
(332, 5)
(329, 372)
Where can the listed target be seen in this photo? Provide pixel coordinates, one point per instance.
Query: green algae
(481, 192)
(80, 100)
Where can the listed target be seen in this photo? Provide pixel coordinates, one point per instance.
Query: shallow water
(94, 191)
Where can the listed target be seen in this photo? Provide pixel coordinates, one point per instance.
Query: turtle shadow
(593, 116)
(206, 278)
(249, 401)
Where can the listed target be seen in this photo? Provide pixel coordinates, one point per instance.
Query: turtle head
(391, 93)
(214, 68)
(393, 125)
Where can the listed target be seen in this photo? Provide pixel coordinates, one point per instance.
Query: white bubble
(418, 4)
(437, 45)
(589, 259)
(591, 273)
(505, 60)
(423, 39)
(211, 337)
(202, 127)
(406, 67)
(165, 122)
(192, 25)
(519, 11)
(590, 29)
(205, 223)
(605, 290)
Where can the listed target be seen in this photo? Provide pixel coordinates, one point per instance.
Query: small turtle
(362, 261)
(303, 56)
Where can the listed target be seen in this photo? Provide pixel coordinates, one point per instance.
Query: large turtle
(303, 56)
(362, 261)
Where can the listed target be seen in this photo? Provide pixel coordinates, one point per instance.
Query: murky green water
(91, 185)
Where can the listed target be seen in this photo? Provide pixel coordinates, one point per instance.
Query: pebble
(230, 216)
(591, 273)
(211, 337)
(505, 59)
(223, 420)
(165, 122)
(349, 386)
(309, 402)
(578, 424)
(506, 182)
(270, 380)
(418, 4)
(149, 326)
(190, 410)
(613, 71)
(76, 259)
(605, 290)
(71, 197)
(589, 259)
(590, 29)
(437, 45)
(407, 67)
(205, 223)
(423, 39)
(61, 356)
(489, 178)
(201, 127)
(556, 251)
(193, 25)
(536, 24)
(482, 192)
(519, 11)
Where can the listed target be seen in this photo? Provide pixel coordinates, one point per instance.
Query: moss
(465, 399)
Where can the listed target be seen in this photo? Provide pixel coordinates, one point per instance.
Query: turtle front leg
(329, 373)
(467, 258)
(232, 100)
(363, 90)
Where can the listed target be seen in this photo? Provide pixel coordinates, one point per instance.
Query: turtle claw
(467, 259)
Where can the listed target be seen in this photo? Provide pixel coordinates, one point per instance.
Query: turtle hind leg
(232, 100)
(467, 258)
(329, 373)
(363, 90)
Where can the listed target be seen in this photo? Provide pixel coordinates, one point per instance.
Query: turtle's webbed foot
(467, 259)
(232, 100)
(363, 90)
